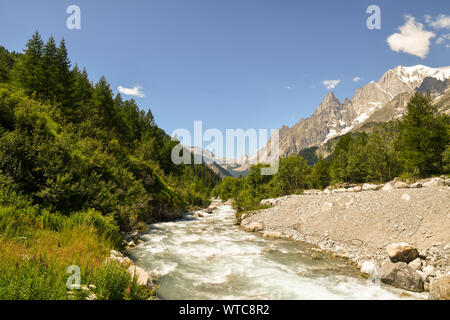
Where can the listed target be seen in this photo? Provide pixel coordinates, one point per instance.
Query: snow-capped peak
(419, 72)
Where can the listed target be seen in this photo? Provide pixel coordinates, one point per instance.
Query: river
(210, 258)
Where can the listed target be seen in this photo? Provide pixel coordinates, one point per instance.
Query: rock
(422, 275)
(415, 264)
(209, 210)
(131, 244)
(370, 268)
(416, 185)
(143, 278)
(368, 187)
(440, 288)
(198, 215)
(254, 227)
(401, 276)
(265, 202)
(401, 185)
(388, 187)
(447, 182)
(406, 197)
(357, 189)
(402, 252)
(434, 182)
(429, 271)
(272, 235)
(327, 191)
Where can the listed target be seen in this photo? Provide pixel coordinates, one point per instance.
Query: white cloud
(136, 91)
(289, 87)
(442, 21)
(412, 39)
(356, 79)
(330, 84)
(443, 38)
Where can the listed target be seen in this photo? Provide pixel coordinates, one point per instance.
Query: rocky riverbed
(360, 222)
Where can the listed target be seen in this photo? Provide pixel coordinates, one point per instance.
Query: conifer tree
(423, 136)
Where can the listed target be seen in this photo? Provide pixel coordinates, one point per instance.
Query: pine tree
(340, 159)
(65, 80)
(321, 174)
(357, 165)
(50, 80)
(103, 103)
(423, 136)
(29, 71)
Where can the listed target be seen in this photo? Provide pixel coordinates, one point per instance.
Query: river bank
(359, 224)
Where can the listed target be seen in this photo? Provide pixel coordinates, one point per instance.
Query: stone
(357, 189)
(429, 271)
(406, 197)
(416, 185)
(401, 276)
(198, 215)
(447, 182)
(440, 288)
(401, 185)
(422, 275)
(209, 210)
(370, 268)
(272, 235)
(327, 191)
(415, 264)
(388, 187)
(143, 278)
(402, 252)
(368, 187)
(434, 182)
(254, 227)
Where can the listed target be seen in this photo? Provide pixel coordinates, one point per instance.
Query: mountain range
(379, 101)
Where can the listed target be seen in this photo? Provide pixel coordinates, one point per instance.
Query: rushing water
(210, 258)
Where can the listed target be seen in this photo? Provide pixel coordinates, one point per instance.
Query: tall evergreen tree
(29, 71)
(423, 136)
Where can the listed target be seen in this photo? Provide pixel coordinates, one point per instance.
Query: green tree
(321, 174)
(340, 159)
(357, 166)
(423, 137)
(29, 71)
(293, 174)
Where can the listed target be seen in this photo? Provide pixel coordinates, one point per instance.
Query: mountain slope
(375, 101)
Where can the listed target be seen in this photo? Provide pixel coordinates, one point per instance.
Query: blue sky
(230, 63)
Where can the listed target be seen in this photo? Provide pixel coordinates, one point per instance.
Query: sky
(235, 64)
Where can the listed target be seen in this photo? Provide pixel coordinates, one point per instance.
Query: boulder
(143, 278)
(368, 187)
(402, 252)
(406, 197)
(254, 227)
(434, 182)
(401, 276)
(357, 189)
(198, 215)
(440, 288)
(416, 185)
(429, 271)
(265, 202)
(327, 191)
(370, 268)
(447, 182)
(401, 185)
(272, 235)
(415, 264)
(209, 210)
(388, 186)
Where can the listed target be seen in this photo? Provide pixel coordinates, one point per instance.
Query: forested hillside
(77, 165)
